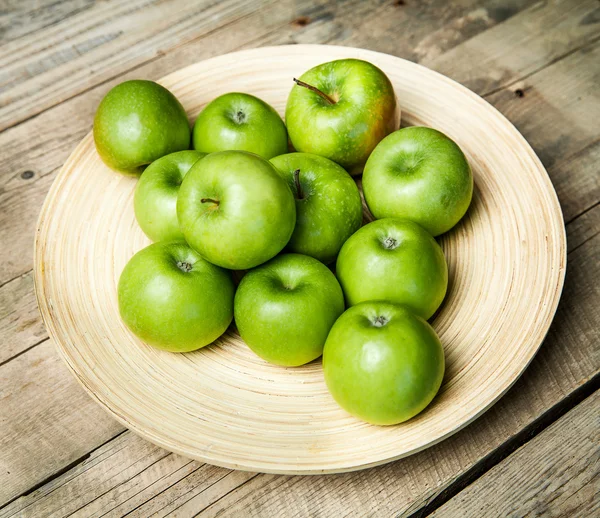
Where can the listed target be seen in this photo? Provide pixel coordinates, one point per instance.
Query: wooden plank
(54, 63)
(47, 421)
(403, 29)
(568, 359)
(577, 192)
(19, 18)
(555, 474)
(583, 228)
(557, 110)
(20, 324)
(43, 153)
(102, 43)
(540, 34)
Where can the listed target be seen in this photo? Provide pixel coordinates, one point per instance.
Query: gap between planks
(528, 433)
(555, 474)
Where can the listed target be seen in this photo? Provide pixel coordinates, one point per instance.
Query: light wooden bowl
(223, 404)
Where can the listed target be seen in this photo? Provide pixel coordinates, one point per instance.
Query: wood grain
(53, 63)
(556, 474)
(583, 228)
(33, 393)
(19, 18)
(562, 113)
(447, 23)
(20, 324)
(542, 33)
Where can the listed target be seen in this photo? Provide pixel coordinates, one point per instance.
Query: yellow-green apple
(420, 174)
(138, 122)
(328, 204)
(285, 308)
(173, 299)
(393, 260)
(235, 209)
(242, 122)
(155, 198)
(382, 363)
(341, 110)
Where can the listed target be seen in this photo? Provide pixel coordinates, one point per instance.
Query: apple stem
(183, 266)
(380, 321)
(209, 200)
(390, 243)
(314, 89)
(299, 192)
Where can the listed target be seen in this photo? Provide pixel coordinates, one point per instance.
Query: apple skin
(155, 198)
(254, 214)
(393, 260)
(242, 122)
(382, 363)
(285, 308)
(347, 131)
(328, 208)
(138, 122)
(420, 174)
(169, 307)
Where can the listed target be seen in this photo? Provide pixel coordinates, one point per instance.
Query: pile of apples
(240, 201)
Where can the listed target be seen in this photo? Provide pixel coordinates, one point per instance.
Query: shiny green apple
(242, 122)
(341, 110)
(235, 209)
(173, 299)
(420, 174)
(155, 198)
(382, 363)
(393, 260)
(328, 204)
(285, 308)
(138, 122)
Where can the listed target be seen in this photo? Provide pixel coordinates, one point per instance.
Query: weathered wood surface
(556, 474)
(536, 62)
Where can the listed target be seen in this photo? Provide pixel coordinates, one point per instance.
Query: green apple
(285, 308)
(173, 299)
(393, 260)
(240, 122)
(155, 198)
(341, 110)
(382, 363)
(328, 204)
(138, 122)
(420, 174)
(235, 209)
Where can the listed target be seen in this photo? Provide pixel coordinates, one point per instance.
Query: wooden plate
(224, 405)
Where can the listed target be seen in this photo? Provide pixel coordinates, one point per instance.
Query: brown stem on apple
(314, 89)
(380, 321)
(390, 243)
(299, 192)
(183, 266)
(209, 200)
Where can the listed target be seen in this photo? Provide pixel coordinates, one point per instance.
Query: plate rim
(46, 312)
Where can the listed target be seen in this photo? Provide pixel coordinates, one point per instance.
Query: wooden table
(536, 452)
